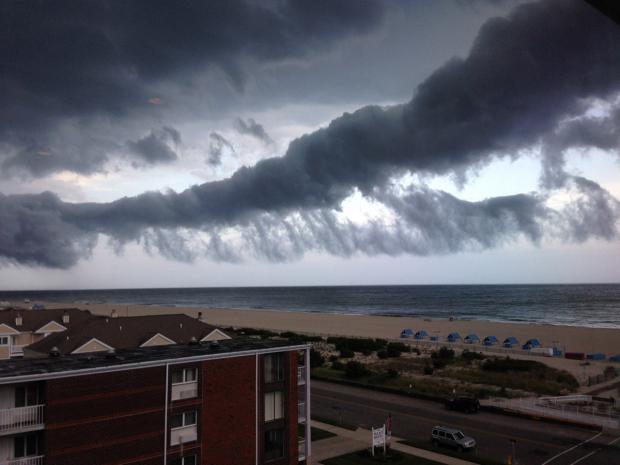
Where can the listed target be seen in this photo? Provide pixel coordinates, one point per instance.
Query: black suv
(463, 404)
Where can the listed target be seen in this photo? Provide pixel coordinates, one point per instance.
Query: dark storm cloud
(524, 75)
(157, 147)
(82, 63)
(588, 132)
(218, 144)
(251, 128)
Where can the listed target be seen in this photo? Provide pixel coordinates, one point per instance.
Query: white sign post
(378, 439)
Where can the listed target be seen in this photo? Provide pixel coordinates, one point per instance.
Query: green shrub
(355, 370)
(394, 349)
(337, 365)
(428, 370)
(444, 353)
(392, 373)
(345, 352)
(503, 365)
(316, 358)
(439, 363)
(564, 377)
(471, 355)
(333, 358)
(382, 354)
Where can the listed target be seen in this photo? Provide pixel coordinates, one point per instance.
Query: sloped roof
(35, 319)
(125, 332)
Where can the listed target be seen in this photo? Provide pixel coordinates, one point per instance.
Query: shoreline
(572, 338)
(189, 308)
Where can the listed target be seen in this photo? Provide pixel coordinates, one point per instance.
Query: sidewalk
(348, 441)
(531, 406)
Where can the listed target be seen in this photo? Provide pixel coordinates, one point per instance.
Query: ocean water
(594, 305)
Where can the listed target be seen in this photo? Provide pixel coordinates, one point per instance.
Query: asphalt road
(537, 442)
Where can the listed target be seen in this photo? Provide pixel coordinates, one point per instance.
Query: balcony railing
(34, 460)
(183, 434)
(301, 375)
(15, 420)
(181, 391)
(301, 412)
(302, 450)
(17, 351)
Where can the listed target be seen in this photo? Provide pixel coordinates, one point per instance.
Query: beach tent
(531, 343)
(421, 334)
(614, 358)
(596, 356)
(407, 332)
(453, 337)
(511, 341)
(471, 338)
(490, 341)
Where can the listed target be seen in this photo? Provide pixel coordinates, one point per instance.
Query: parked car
(443, 436)
(463, 404)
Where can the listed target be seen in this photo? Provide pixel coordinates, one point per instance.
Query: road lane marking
(572, 448)
(594, 452)
(430, 420)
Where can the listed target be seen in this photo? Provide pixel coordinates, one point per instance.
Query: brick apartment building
(232, 402)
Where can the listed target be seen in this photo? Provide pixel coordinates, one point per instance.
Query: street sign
(378, 438)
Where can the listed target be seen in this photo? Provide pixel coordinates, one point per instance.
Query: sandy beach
(573, 339)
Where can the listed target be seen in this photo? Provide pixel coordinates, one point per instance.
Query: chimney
(114, 314)
(65, 317)
(19, 320)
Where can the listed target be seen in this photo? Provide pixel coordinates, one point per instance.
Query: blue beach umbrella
(471, 338)
(407, 333)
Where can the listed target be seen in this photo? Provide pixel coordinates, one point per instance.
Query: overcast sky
(233, 143)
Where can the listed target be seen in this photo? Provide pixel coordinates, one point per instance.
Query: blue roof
(615, 358)
(490, 338)
(511, 339)
(421, 334)
(453, 336)
(407, 332)
(472, 337)
(533, 342)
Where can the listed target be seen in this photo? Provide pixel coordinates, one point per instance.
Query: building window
(274, 368)
(187, 460)
(4, 340)
(26, 446)
(274, 408)
(180, 420)
(185, 375)
(274, 444)
(26, 395)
